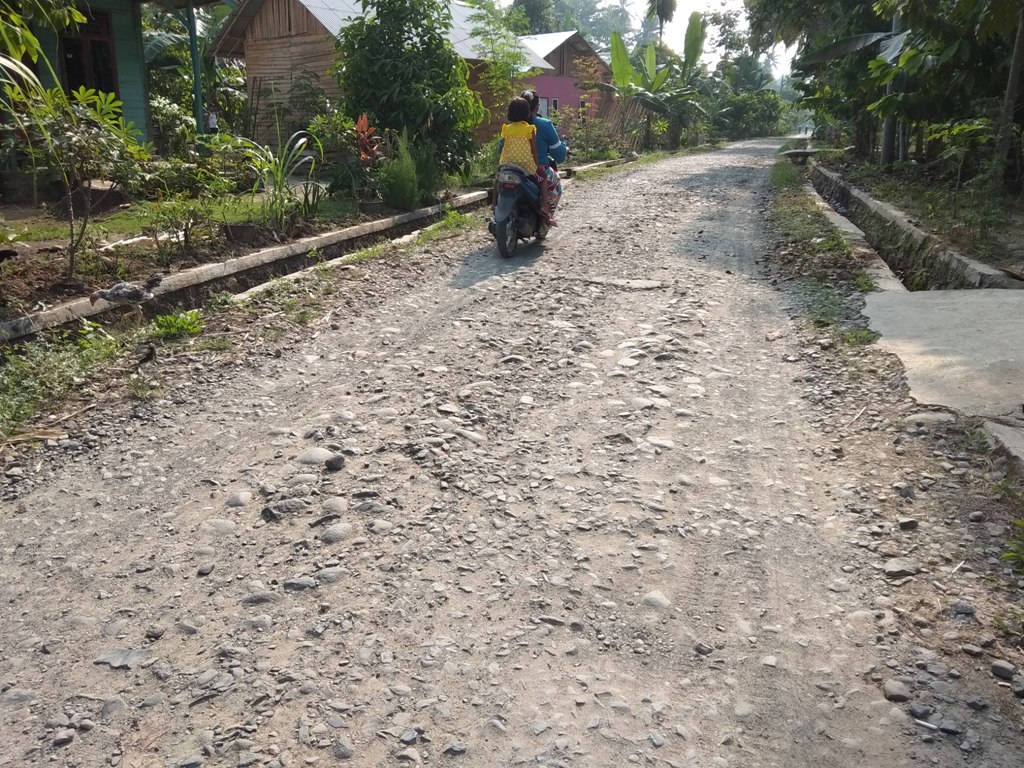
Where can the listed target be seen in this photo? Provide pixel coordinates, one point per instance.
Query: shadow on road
(485, 262)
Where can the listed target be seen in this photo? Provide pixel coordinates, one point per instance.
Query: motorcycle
(517, 213)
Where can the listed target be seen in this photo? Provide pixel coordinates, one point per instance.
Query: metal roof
(335, 14)
(546, 43)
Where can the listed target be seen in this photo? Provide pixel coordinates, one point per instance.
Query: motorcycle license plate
(508, 178)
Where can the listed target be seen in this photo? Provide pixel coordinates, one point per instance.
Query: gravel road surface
(603, 504)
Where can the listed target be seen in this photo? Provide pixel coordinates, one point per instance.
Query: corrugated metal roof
(335, 14)
(546, 43)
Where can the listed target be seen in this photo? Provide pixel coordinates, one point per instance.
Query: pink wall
(558, 87)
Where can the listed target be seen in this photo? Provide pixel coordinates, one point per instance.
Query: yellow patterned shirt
(516, 145)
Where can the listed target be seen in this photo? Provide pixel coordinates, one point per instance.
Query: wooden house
(283, 39)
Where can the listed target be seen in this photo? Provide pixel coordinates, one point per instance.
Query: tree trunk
(889, 125)
(1004, 136)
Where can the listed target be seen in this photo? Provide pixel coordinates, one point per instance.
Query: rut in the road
(584, 520)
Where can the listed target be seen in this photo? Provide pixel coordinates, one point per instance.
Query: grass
(816, 258)
(214, 344)
(971, 217)
(133, 220)
(141, 389)
(452, 223)
(47, 370)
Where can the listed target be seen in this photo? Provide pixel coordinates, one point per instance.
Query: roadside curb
(252, 268)
(855, 238)
(925, 260)
(1006, 438)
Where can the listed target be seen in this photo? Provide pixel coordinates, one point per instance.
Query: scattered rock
(1003, 669)
(314, 455)
(342, 750)
(656, 599)
(123, 658)
(896, 690)
(898, 567)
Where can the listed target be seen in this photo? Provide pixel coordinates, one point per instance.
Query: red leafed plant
(371, 153)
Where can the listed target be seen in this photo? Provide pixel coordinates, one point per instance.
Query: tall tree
(539, 13)
(663, 10)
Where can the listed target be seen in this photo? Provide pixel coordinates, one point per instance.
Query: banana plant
(646, 90)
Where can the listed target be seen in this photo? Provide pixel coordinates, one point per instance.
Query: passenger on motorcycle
(551, 150)
(519, 147)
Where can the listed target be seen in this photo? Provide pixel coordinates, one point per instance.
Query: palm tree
(664, 10)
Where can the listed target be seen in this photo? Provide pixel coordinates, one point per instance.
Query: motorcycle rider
(519, 147)
(551, 150)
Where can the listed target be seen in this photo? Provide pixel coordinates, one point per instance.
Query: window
(554, 105)
(543, 106)
(87, 55)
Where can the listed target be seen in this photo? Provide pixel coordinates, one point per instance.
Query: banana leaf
(622, 70)
(693, 45)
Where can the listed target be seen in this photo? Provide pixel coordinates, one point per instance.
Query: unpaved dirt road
(603, 504)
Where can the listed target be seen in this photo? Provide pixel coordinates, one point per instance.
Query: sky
(675, 30)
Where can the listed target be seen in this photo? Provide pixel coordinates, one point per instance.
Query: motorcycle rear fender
(506, 202)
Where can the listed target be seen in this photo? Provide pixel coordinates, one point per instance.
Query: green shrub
(180, 325)
(429, 176)
(397, 179)
(591, 138)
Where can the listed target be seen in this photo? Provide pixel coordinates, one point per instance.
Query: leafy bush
(590, 138)
(184, 218)
(397, 179)
(428, 171)
(80, 136)
(180, 325)
(174, 126)
(747, 114)
(395, 64)
(334, 130)
(274, 169)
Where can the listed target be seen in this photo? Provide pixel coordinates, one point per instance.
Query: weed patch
(812, 255)
(141, 389)
(48, 370)
(180, 325)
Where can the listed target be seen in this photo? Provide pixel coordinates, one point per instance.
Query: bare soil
(610, 502)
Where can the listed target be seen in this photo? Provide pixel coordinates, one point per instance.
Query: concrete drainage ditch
(920, 260)
(960, 348)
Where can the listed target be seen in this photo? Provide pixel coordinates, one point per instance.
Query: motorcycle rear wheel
(506, 235)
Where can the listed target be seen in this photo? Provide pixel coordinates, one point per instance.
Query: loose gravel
(610, 502)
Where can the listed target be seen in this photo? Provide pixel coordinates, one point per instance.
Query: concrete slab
(1011, 439)
(961, 349)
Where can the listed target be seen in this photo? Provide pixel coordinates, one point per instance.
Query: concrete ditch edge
(1006, 438)
(242, 271)
(920, 259)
